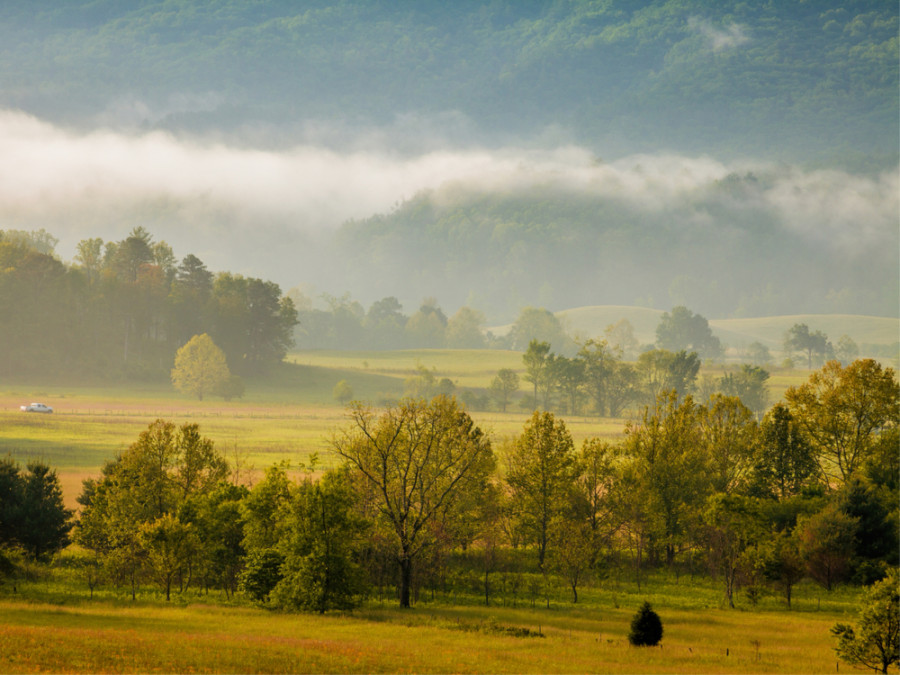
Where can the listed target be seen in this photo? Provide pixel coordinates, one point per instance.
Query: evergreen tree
(646, 627)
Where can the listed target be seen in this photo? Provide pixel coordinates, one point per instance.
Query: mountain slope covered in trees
(727, 247)
(729, 77)
(739, 158)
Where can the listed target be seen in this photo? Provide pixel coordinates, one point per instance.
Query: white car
(37, 407)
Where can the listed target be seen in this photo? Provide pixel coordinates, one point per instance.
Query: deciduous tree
(420, 459)
(875, 641)
(843, 410)
(464, 329)
(504, 384)
(541, 469)
(536, 367)
(668, 468)
(784, 461)
(827, 543)
(200, 367)
(684, 330)
(799, 338)
(321, 570)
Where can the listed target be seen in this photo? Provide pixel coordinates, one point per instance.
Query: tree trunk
(405, 579)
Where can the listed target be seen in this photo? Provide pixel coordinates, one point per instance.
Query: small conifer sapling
(646, 627)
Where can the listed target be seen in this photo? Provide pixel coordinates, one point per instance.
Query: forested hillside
(760, 78)
(742, 245)
(739, 158)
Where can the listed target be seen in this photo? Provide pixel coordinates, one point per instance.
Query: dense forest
(728, 78)
(125, 307)
(425, 501)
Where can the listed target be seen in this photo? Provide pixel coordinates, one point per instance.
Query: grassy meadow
(52, 626)
(288, 415)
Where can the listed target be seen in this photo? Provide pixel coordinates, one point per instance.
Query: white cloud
(72, 183)
(727, 37)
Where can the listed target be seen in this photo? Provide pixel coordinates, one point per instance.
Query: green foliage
(540, 326)
(504, 384)
(464, 329)
(134, 515)
(231, 388)
(827, 544)
(422, 466)
(427, 327)
(540, 472)
(123, 309)
(659, 371)
(509, 67)
(342, 392)
(321, 570)
(536, 366)
(798, 338)
(646, 627)
(876, 532)
(730, 436)
(262, 573)
(200, 368)
(843, 411)
(32, 513)
(682, 330)
(749, 385)
(784, 461)
(666, 470)
(875, 642)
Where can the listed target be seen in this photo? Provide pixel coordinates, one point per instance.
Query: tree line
(424, 501)
(123, 308)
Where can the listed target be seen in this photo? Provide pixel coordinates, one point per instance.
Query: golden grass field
(113, 635)
(287, 416)
(48, 625)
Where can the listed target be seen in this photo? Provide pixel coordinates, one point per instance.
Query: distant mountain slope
(786, 80)
(650, 233)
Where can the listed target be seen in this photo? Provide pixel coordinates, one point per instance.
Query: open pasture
(465, 367)
(288, 415)
(197, 634)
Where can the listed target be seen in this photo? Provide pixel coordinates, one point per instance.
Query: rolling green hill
(770, 330)
(590, 322)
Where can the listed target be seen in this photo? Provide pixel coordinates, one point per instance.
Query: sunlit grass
(446, 635)
(288, 415)
(465, 367)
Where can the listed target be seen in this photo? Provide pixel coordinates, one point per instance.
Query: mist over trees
(727, 248)
(736, 158)
(127, 308)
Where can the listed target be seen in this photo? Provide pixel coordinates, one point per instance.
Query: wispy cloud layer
(71, 180)
(727, 37)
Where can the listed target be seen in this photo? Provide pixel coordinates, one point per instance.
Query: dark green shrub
(646, 628)
(261, 574)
